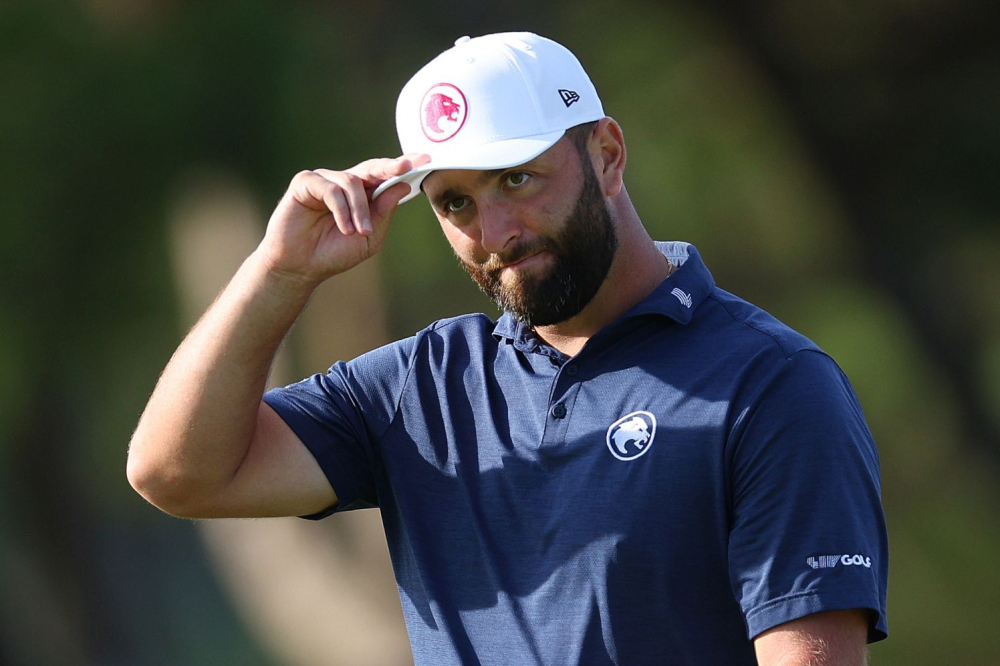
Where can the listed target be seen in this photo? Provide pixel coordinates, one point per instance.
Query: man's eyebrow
(442, 198)
(484, 177)
(490, 174)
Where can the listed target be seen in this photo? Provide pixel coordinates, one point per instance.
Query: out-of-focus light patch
(214, 226)
(125, 16)
(320, 594)
(325, 334)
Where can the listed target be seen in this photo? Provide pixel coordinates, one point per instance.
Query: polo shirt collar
(677, 297)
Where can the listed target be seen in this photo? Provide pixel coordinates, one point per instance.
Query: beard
(582, 251)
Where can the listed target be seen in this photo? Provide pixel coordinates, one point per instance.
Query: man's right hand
(206, 445)
(326, 223)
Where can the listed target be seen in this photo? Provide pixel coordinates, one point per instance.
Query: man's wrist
(286, 286)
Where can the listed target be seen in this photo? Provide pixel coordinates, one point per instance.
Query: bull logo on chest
(632, 435)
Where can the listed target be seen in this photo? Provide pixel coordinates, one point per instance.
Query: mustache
(499, 261)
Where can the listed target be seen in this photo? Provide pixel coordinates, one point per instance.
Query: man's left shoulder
(753, 326)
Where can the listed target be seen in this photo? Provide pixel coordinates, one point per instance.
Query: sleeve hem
(301, 426)
(794, 606)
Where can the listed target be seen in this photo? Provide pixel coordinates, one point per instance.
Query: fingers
(352, 213)
(346, 194)
(341, 193)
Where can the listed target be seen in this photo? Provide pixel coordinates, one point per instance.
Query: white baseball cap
(491, 102)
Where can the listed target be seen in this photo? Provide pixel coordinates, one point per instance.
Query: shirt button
(558, 410)
(572, 370)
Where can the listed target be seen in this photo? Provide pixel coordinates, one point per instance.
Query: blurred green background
(834, 161)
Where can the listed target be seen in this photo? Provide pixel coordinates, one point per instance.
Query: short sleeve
(341, 415)
(808, 532)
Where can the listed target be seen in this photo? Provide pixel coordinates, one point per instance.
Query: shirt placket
(563, 390)
(562, 400)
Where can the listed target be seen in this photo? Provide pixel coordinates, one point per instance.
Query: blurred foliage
(835, 162)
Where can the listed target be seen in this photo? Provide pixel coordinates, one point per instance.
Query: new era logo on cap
(568, 97)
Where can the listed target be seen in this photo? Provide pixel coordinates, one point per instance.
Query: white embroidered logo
(632, 435)
(685, 299)
(830, 561)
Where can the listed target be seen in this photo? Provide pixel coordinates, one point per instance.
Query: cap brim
(496, 155)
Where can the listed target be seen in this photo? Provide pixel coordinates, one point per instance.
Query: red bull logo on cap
(442, 112)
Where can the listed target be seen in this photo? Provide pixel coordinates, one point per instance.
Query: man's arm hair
(830, 638)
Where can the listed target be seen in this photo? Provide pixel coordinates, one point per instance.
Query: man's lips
(526, 261)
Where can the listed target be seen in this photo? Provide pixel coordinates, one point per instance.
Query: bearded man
(630, 466)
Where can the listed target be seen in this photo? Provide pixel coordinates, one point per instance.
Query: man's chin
(541, 312)
(538, 319)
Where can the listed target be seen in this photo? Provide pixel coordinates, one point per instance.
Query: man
(630, 466)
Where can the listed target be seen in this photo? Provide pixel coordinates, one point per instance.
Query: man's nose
(499, 225)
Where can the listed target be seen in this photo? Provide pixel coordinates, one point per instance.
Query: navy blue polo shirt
(697, 474)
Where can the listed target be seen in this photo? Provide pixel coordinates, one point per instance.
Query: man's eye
(455, 205)
(516, 178)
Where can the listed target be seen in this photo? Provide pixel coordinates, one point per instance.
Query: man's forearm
(831, 638)
(200, 419)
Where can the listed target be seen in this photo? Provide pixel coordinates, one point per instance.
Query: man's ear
(607, 151)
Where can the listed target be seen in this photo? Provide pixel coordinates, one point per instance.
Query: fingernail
(366, 225)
